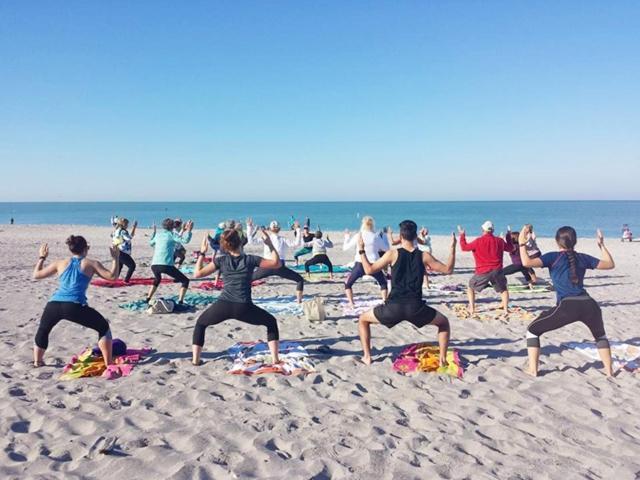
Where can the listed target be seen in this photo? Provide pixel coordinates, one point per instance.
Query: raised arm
(133, 229)
(464, 245)
(185, 236)
(527, 261)
(274, 261)
(606, 262)
(104, 272)
(392, 242)
(152, 240)
(436, 265)
(297, 240)
(252, 238)
(40, 271)
(200, 271)
(350, 241)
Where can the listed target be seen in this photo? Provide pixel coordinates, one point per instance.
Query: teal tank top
(73, 284)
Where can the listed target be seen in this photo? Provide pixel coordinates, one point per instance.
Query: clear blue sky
(276, 100)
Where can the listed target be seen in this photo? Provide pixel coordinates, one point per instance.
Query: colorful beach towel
(285, 305)
(87, 364)
(361, 305)
(515, 288)
(322, 268)
(623, 355)
(191, 301)
(515, 313)
(421, 357)
(118, 283)
(254, 358)
(219, 285)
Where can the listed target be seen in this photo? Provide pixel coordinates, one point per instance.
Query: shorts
(391, 314)
(495, 278)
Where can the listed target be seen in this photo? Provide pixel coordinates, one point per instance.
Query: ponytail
(567, 239)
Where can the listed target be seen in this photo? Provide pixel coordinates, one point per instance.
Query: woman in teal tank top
(69, 302)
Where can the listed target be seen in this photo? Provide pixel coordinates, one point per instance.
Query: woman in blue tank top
(69, 302)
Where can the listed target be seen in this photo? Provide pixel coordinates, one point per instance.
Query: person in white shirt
(373, 244)
(319, 251)
(280, 244)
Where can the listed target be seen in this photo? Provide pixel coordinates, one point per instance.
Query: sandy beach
(170, 419)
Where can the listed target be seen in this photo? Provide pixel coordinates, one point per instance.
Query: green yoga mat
(526, 289)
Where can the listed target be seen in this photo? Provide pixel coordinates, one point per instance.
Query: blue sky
(319, 100)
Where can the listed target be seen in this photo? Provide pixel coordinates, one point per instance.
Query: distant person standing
(12, 221)
(488, 251)
(122, 238)
(627, 235)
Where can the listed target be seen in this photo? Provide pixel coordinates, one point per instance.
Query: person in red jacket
(488, 251)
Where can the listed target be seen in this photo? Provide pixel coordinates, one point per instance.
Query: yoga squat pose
(405, 301)
(306, 238)
(516, 262)
(488, 251)
(567, 269)
(235, 300)
(69, 302)
(319, 251)
(373, 244)
(179, 252)
(280, 244)
(122, 239)
(165, 242)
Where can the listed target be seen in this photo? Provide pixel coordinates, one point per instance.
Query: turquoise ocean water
(440, 217)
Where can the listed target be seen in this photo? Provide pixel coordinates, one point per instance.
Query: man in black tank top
(405, 301)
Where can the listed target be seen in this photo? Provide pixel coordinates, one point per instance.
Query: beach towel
(188, 269)
(285, 305)
(421, 357)
(118, 283)
(319, 268)
(446, 288)
(254, 358)
(208, 286)
(88, 364)
(191, 301)
(515, 288)
(515, 313)
(623, 355)
(361, 305)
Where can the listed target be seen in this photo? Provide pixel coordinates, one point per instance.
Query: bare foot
(38, 364)
(443, 362)
(196, 363)
(351, 305)
(366, 360)
(532, 372)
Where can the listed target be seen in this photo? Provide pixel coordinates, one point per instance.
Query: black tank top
(407, 275)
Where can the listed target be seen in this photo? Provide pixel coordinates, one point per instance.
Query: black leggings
(282, 272)
(570, 310)
(125, 259)
(358, 271)
(513, 268)
(179, 254)
(320, 258)
(245, 312)
(74, 312)
(170, 270)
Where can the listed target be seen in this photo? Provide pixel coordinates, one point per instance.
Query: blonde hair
(367, 224)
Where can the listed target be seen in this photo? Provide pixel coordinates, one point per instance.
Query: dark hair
(567, 238)
(318, 234)
(408, 230)
(515, 237)
(230, 240)
(76, 244)
(167, 224)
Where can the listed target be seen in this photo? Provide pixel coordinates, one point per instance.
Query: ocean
(439, 217)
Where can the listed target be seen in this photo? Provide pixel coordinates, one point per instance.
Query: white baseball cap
(273, 225)
(487, 226)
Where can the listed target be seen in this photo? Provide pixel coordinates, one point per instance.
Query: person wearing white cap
(488, 251)
(280, 243)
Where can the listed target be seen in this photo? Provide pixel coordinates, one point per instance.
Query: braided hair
(567, 239)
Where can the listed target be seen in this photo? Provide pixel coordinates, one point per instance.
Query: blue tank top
(73, 284)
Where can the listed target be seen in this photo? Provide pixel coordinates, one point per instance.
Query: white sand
(173, 420)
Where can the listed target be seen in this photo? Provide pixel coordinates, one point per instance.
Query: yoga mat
(361, 305)
(191, 300)
(220, 285)
(525, 289)
(322, 268)
(515, 313)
